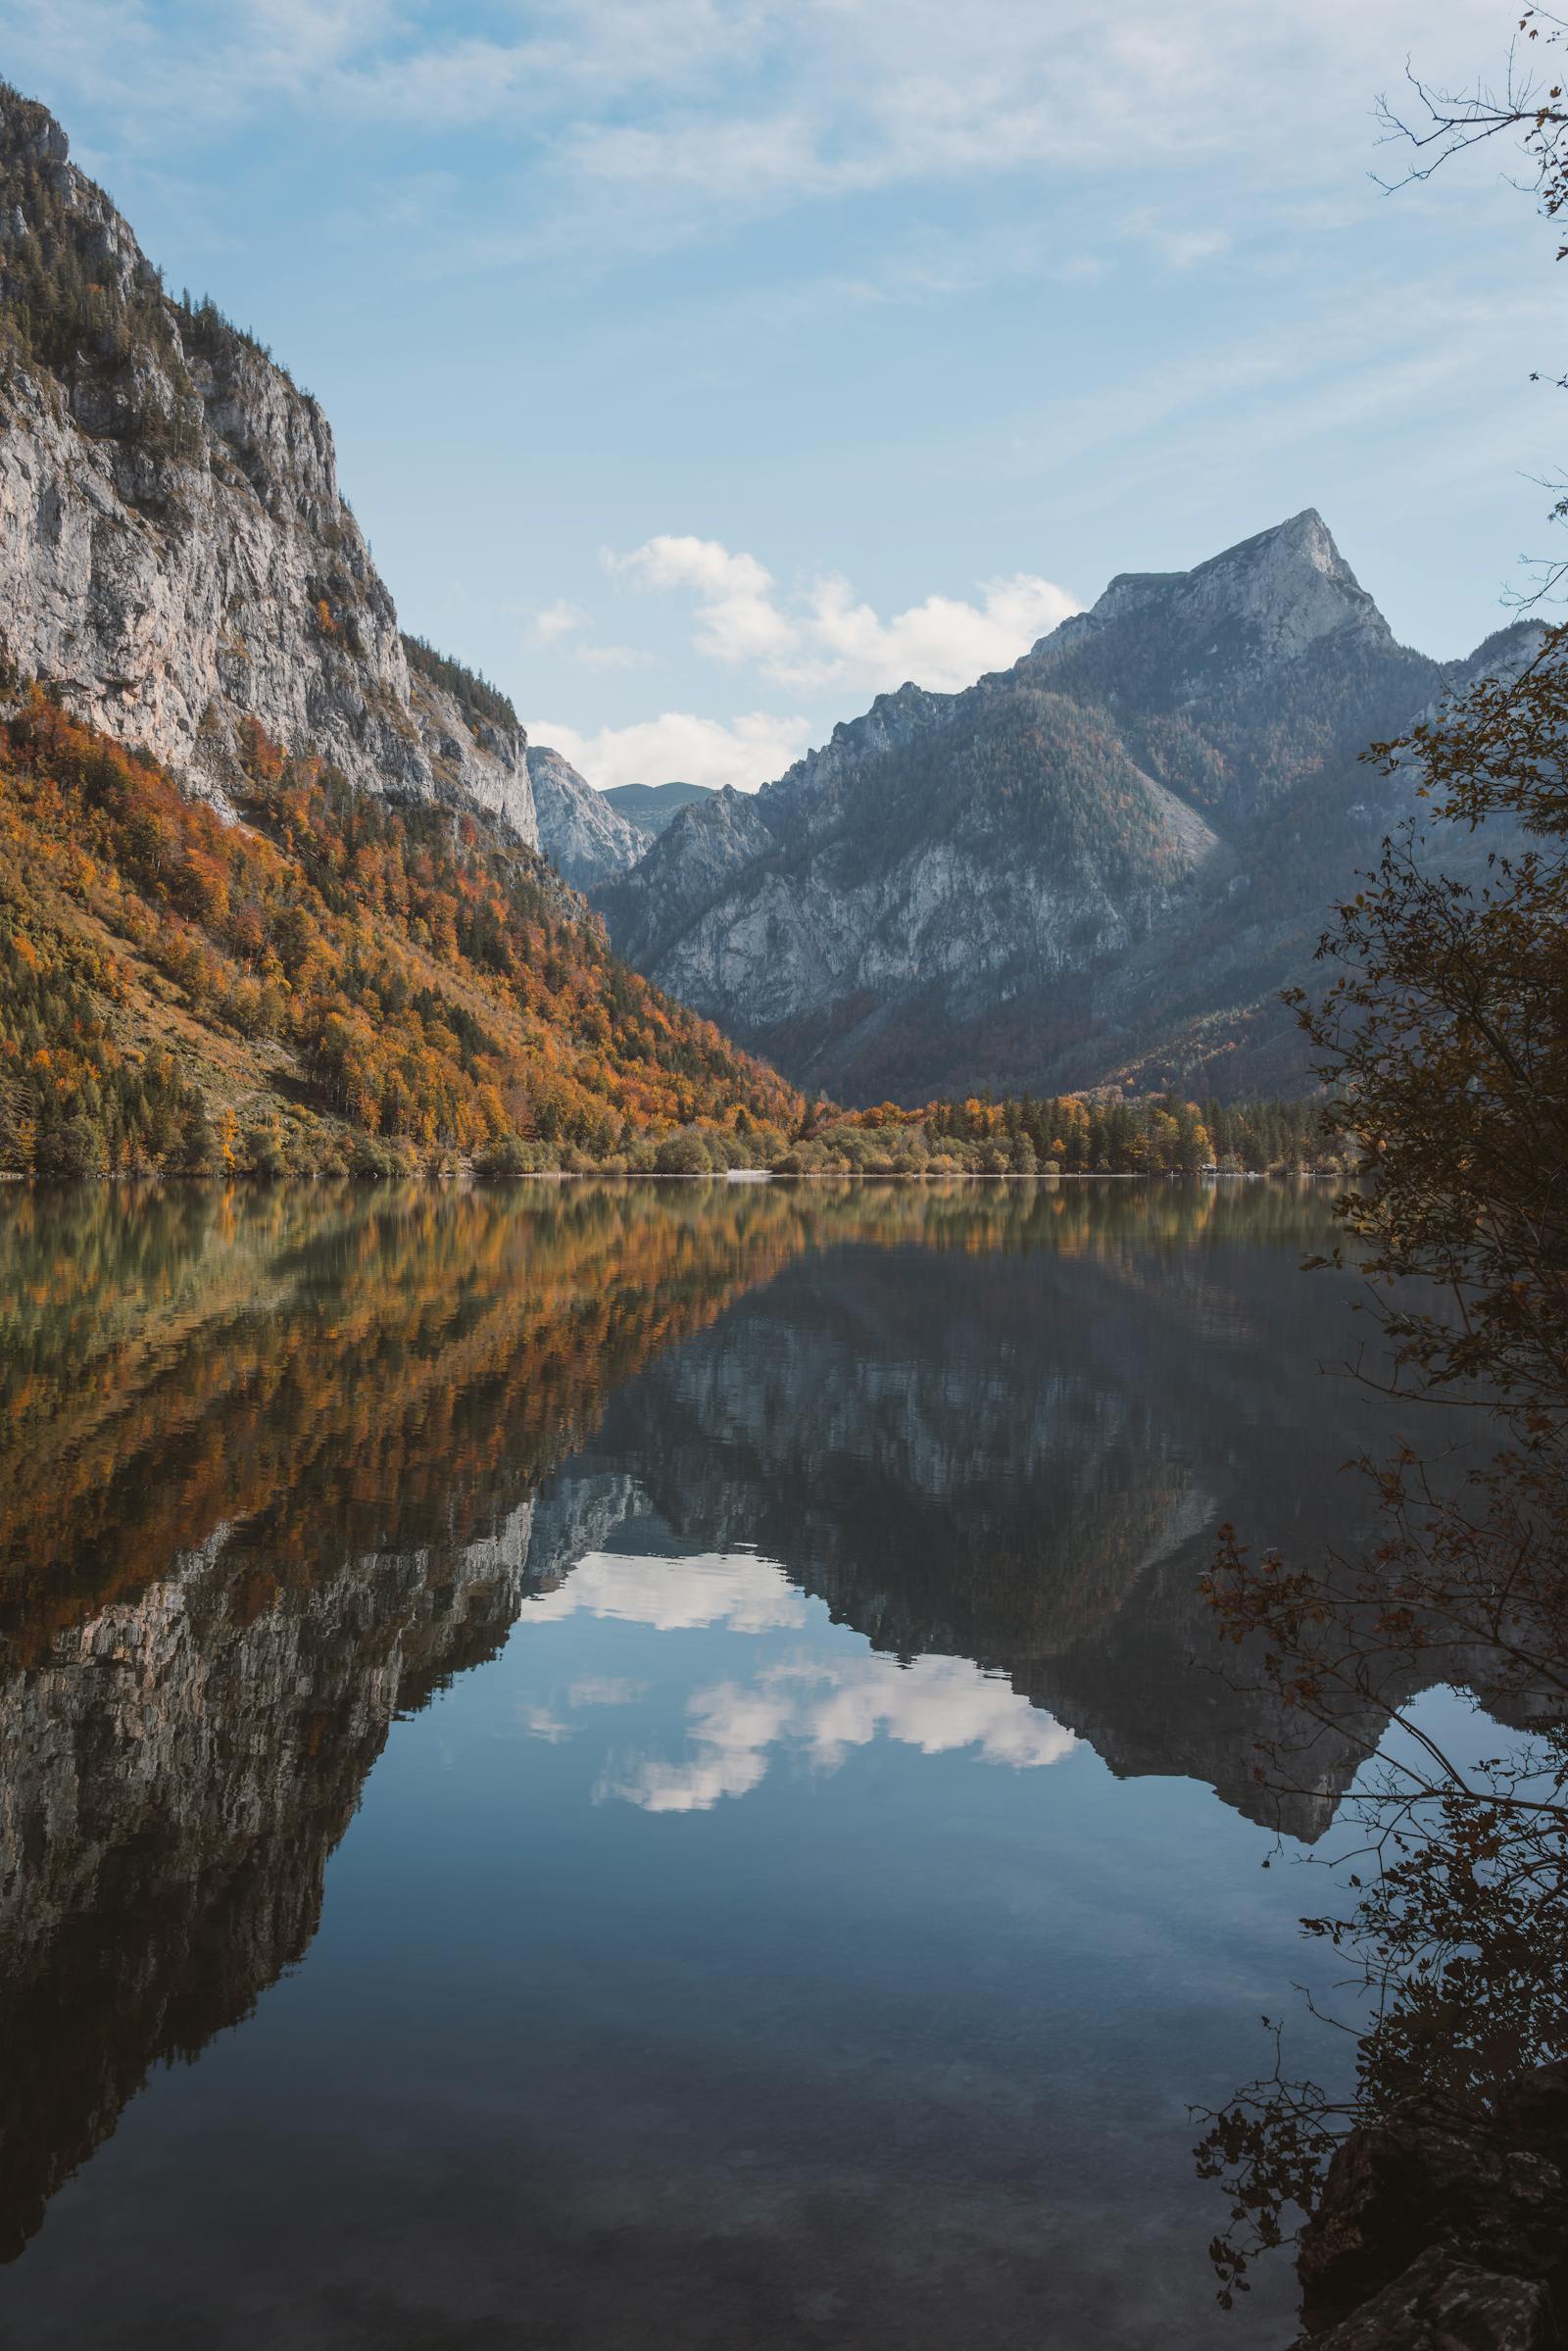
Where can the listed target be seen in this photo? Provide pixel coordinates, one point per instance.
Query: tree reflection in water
(278, 1465)
(1444, 1035)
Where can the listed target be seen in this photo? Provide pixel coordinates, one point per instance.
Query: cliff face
(175, 555)
(1103, 862)
(586, 839)
(943, 857)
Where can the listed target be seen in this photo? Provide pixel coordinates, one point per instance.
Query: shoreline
(732, 1175)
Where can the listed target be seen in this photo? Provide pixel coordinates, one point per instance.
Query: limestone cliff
(176, 557)
(586, 839)
(940, 859)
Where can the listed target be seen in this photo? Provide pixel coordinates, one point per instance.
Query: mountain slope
(270, 890)
(653, 806)
(1101, 863)
(944, 854)
(331, 982)
(586, 839)
(175, 554)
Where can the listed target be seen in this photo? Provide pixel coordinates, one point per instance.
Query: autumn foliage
(334, 981)
(1074, 1134)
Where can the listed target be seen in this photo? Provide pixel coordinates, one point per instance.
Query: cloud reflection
(540, 1722)
(823, 1708)
(678, 1595)
(817, 1707)
(604, 1690)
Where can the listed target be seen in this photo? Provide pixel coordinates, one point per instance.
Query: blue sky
(702, 368)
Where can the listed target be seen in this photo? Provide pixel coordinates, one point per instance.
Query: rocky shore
(1445, 2228)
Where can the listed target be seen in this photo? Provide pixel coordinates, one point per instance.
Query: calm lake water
(609, 1766)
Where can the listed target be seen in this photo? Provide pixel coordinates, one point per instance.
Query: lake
(615, 1765)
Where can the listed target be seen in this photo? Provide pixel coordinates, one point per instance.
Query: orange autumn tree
(332, 977)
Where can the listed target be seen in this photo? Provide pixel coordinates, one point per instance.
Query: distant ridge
(1099, 865)
(654, 806)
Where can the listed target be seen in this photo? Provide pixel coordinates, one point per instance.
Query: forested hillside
(333, 982)
(1072, 1134)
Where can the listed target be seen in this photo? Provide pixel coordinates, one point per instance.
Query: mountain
(176, 558)
(591, 837)
(1101, 863)
(586, 837)
(654, 806)
(270, 895)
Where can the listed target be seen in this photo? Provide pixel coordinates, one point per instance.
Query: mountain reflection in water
(763, 1948)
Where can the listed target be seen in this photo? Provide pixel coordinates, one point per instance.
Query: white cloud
(540, 1723)
(655, 120)
(943, 643)
(733, 1730)
(825, 1707)
(816, 642)
(615, 657)
(558, 623)
(826, 638)
(936, 1704)
(818, 1707)
(557, 620)
(679, 746)
(739, 621)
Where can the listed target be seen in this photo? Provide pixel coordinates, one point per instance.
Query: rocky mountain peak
(1106, 858)
(176, 558)
(1291, 581)
(1272, 597)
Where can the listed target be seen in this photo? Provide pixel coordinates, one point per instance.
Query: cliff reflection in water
(276, 1465)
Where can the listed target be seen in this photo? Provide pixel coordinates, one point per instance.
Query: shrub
(510, 1156)
(685, 1152)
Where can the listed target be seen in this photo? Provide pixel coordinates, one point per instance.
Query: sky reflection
(813, 1706)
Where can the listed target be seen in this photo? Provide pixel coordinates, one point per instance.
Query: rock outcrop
(586, 839)
(1100, 864)
(1441, 2303)
(176, 558)
(1447, 2223)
